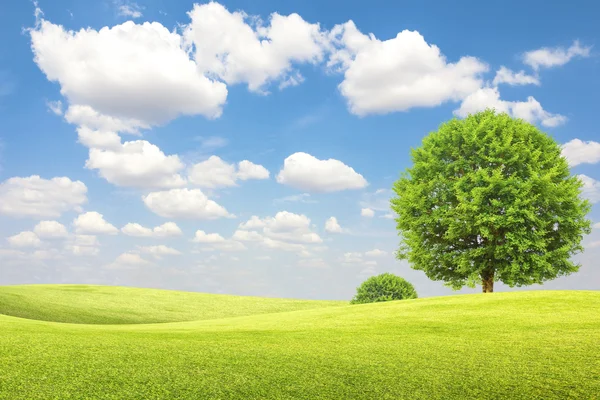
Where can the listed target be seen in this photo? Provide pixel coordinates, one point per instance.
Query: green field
(123, 343)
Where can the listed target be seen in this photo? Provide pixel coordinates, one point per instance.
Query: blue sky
(146, 109)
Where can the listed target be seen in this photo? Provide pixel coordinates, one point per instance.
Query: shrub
(384, 287)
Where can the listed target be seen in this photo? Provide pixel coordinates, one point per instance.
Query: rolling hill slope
(520, 345)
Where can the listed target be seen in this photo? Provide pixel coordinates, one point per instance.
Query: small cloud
(300, 198)
(132, 10)
(55, 106)
(367, 212)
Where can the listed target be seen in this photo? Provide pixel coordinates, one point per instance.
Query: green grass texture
(517, 345)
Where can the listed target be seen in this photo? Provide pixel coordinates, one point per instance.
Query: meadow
(100, 342)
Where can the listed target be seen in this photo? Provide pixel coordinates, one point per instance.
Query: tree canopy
(490, 198)
(384, 287)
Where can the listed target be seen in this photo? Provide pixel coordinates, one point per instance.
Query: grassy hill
(522, 345)
(95, 304)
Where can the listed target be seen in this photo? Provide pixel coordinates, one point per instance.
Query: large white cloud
(400, 73)
(25, 239)
(240, 49)
(530, 110)
(579, 152)
(137, 164)
(306, 172)
(214, 173)
(50, 230)
(284, 226)
(134, 72)
(93, 222)
(37, 197)
(550, 57)
(165, 230)
(184, 203)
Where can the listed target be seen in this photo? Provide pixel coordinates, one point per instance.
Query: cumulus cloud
(579, 152)
(284, 226)
(184, 203)
(332, 225)
(218, 242)
(508, 76)
(214, 173)
(126, 260)
(241, 49)
(37, 197)
(400, 73)
(530, 110)
(50, 230)
(137, 164)
(160, 250)
(165, 230)
(591, 188)
(367, 212)
(306, 172)
(83, 245)
(93, 222)
(547, 57)
(24, 239)
(140, 72)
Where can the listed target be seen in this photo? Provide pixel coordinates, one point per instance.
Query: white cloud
(146, 64)
(400, 73)
(55, 106)
(247, 236)
(203, 237)
(597, 225)
(580, 152)
(50, 230)
(530, 110)
(300, 198)
(184, 203)
(332, 225)
(591, 188)
(160, 250)
(128, 260)
(388, 216)
(132, 10)
(24, 239)
(550, 57)
(351, 258)
(376, 253)
(137, 164)
(217, 242)
(86, 116)
(508, 76)
(83, 245)
(214, 173)
(165, 230)
(253, 223)
(37, 197)
(305, 172)
(248, 170)
(93, 222)
(238, 48)
(367, 212)
(285, 226)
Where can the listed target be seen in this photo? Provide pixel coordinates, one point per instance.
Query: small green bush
(384, 287)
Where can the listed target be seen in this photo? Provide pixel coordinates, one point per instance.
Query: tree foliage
(490, 198)
(384, 287)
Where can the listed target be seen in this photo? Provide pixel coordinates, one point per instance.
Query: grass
(520, 345)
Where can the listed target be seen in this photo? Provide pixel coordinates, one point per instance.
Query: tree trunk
(487, 282)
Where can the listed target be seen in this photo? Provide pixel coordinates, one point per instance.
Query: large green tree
(490, 198)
